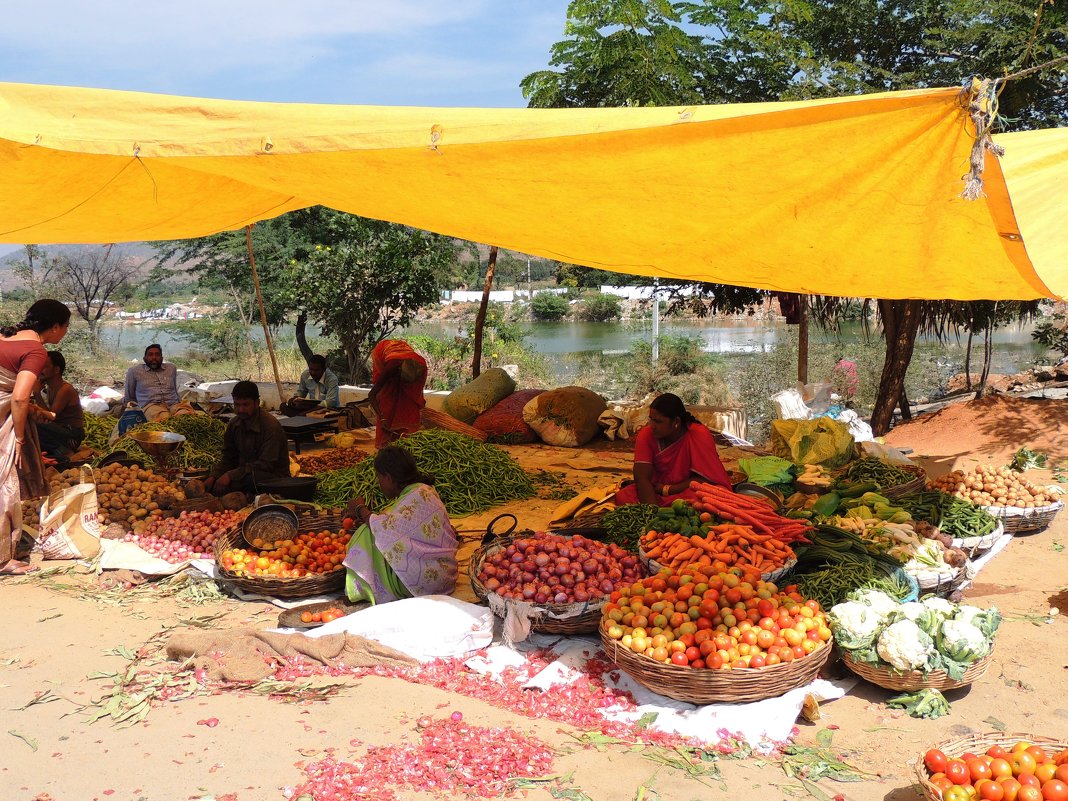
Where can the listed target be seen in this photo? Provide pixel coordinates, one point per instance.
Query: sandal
(16, 568)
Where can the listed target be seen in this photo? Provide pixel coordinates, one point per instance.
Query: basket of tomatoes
(996, 766)
(310, 616)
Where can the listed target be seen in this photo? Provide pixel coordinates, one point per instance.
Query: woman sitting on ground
(407, 549)
(670, 452)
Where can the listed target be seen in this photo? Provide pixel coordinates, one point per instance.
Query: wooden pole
(802, 342)
(480, 319)
(263, 313)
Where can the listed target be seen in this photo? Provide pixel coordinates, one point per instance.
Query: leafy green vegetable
(923, 704)
(1025, 459)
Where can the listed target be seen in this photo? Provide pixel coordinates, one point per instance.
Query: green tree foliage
(548, 306)
(600, 308)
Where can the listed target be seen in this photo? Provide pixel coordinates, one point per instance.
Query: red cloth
(693, 453)
(17, 355)
(399, 398)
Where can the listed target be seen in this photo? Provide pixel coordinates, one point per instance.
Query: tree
(93, 279)
(370, 282)
(548, 306)
(34, 269)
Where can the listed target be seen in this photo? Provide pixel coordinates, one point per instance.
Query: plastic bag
(69, 525)
(821, 441)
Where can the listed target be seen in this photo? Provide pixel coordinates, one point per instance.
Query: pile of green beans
(624, 525)
(202, 447)
(98, 431)
(954, 516)
(878, 472)
(831, 585)
(470, 476)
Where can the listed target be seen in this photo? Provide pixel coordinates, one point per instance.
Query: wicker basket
(432, 418)
(739, 685)
(901, 490)
(941, 584)
(304, 587)
(290, 618)
(576, 618)
(892, 679)
(980, 744)
(1025, 521)
(977, 545)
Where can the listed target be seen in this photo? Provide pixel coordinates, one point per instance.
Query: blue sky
(384, 52)
(375, 52)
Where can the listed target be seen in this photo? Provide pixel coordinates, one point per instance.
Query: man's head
(154, 357)
(246, 397)
(316, 366)
(55, 366)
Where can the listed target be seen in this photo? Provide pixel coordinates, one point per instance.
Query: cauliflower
(878, 600)
(905, 646)
(946, 609)
(967, 613)
(854, 624)
(986, 620)
(911, 610)
(963, 642)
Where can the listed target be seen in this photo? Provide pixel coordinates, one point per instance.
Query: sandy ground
(53, 642)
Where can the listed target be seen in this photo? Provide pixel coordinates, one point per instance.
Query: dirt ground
(53, 641)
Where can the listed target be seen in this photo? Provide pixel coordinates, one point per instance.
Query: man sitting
(153, 386)
(255, 447)
(316, 383)
(61, 422)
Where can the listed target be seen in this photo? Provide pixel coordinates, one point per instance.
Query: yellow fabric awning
(854, 196)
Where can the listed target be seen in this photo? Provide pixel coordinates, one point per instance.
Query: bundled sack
(504, 423)
(820, 441)
(473, 398)
(567, 416)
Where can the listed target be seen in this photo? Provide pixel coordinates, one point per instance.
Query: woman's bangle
(667, 490)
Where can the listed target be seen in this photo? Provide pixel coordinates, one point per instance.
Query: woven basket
(696, 686)
(304, 587)
(576, 618)
(941, 584)
(290, 618)
(1021, 521)
(892, 679)
(980, 744)
(432, 418)
(591, 523)
(977, 545)
(916, 485)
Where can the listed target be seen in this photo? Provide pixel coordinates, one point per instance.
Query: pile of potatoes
(987, 485)
(128, 496)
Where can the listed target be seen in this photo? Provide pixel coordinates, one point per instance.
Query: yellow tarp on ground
(856, 196)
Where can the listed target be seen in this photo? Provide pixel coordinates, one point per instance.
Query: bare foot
(16, 568)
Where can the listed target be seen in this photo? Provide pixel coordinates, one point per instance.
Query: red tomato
(1038, 754)
(978, 769)
(692, 653)
(1062, 773)
(1029, 780)
(1055, 790)
(940, 781)
(679, 658)
(957, 771)
(1012, 788)
(1028, 793)
(990, 790)
(997, 752)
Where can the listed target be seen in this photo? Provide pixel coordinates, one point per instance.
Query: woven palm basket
(979, 744)
(704, 686)
(891, 679)
(1025, 521)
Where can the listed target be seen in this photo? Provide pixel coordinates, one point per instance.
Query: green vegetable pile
(928, 703)
(469, 476)
(876, 471)
(837, 562)
(625, 524)
(202, 447)
(98, 430)
(954, 516)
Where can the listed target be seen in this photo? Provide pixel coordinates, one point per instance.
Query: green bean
(954, 516)
(876, 471)
(627, 523)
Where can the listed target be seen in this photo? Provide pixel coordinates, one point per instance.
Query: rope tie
(981, 99)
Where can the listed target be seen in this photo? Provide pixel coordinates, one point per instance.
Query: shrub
(600, 308)
(548, 306)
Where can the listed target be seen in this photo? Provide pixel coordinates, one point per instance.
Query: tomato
(999, 766)
(978, 769)
(1062, 773)
(1045, 771)
(1011, 787)
(1029, 780)
(305, 617)
(1022, 762)
(1055, 790)
(679, 658)
(940, 781)
(692, 653)
(957, 771)
(956, 793)
(990, 790)
(1038, 754)
(936, 760)
(1028, 793)
(997, 752)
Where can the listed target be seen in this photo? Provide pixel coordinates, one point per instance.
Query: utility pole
(656, 321)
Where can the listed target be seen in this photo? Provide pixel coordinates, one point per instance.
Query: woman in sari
(670, 452)
(407, 549)
(398, 375)
(22, 357)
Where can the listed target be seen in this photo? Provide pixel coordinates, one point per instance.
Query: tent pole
(263, 313)
(480, 319)
(802, 342)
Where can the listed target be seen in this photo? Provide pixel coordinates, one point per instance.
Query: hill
(12, 255)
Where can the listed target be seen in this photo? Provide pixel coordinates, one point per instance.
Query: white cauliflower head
(905, 646)
(854, 623)
(877, 600)
(911, 610)
(963, 642)
(947, 609)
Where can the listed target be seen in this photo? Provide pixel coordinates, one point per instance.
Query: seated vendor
(153, 387)
(407, 549)
(60, 422)
(670, 452)
(255, 447)
(318, 384)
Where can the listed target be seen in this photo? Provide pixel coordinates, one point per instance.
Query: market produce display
(324, 616)
(336, 459)
(307, 554)
(126, 495)
(1006, 771)
(98, 430)
(190, 535)
(837, 562)
(625, 524)
(699, 618)
(872, 470)
(954, 516)
(987, 485)
(553, 569)
(469, 476)
(722, 546)
(933, 634)
(747, 511)
(202, 447)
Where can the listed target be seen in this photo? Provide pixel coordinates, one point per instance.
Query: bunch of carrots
(747, 511)
(725, 545)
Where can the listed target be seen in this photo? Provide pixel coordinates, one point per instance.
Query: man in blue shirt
(316, 383)
(153, 386)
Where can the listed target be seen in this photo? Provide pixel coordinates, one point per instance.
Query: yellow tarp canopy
(854, 196)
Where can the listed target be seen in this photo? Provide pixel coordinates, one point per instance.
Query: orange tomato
(1039, 755)
(989, 790)
(999, 766)
(1022, 762)
(1011, 786)
(305, 617)
(1055, 790)
(978, 769)
(1028, 793)
(1062, 773)
(1045, 771)
(1028, 780)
